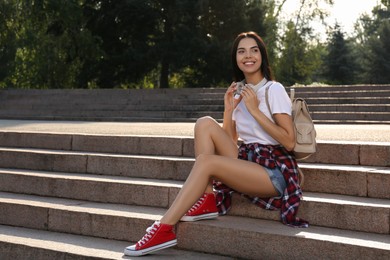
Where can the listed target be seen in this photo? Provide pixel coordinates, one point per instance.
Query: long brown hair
(265, 67)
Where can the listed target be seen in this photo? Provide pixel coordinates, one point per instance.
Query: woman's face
(248, 56)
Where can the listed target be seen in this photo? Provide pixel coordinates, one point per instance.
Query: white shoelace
(197, 204)
(150, 231)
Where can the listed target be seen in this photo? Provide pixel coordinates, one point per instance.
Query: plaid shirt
(270, 156)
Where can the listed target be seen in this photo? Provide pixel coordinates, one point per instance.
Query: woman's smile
(249, 63)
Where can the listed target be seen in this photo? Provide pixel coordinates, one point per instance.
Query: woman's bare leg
(247, 177)
(243, 176)
(210, 138)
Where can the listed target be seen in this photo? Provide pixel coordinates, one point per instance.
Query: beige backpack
(305, 132)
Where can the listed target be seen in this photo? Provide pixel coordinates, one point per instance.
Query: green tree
(125, 43)
(339, 64)
(378, 60)
(378, 68)
(127, 32)
(7, 43)
(179, 43)
(49, 46)
(217, 28)
(293, 64)
(299, 58)
(371, 44)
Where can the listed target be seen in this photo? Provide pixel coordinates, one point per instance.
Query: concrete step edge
(146, 166)
(341, 199)
(128, 211)
(181, 146)
(328, 243)
(85, 153)
(132, 192)
(24, 243)
(315, 158)
(94, 188)
(247, 230)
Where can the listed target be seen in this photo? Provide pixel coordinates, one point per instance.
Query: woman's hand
(229, 100)
(250, 98)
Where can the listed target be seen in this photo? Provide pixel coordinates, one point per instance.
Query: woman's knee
(205, 121)
(206, 162)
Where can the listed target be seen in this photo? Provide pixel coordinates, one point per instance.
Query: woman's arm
(230, 104)
(283, 128)
(229, 126)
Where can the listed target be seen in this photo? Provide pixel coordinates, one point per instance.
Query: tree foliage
(378, 46)
(299, 58)
(49, 44)
(339, 64)
(178, 43)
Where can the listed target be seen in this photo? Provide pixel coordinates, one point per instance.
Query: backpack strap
(267, 102)
(292, 94)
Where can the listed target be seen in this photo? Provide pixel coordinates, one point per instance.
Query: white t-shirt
(248, 129)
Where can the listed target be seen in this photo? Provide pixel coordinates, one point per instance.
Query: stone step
(328, 152)
(367, 105)
(107, 201)
(330, 210)
(317, 119)
(347, 100)
(97, 188)
(94, 107)
(269, 240)
(71, 97)
(342, 93)
(23, 243)
(128, 110)
(331, 88)
(363, 180)
(316, 88)
(108, 114)
(8, 116)
(235, 236)
(105, 96)
(366, 116)
(140, 166)
(123, 143)
(42, 103)
(130, 93)
(345, 122)
(350, 107)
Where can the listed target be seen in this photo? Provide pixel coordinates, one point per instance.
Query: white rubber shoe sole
(199, 217)
(130, 250)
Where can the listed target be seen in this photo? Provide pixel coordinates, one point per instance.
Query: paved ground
(360, 133)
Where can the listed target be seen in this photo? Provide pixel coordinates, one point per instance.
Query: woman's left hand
(250, 98)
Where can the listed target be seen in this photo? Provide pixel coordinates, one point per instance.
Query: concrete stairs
(87, 196)
(367, 104)
(351, 104)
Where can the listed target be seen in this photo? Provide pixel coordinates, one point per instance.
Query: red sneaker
(157, 237)
(204, 208)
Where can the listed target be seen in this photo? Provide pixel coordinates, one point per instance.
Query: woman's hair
(265, 67)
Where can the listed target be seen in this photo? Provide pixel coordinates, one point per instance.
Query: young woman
(262, 167)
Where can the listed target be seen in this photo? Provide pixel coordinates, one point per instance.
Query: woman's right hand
(229, 100)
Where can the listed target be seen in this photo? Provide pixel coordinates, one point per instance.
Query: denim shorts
(277, 180)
